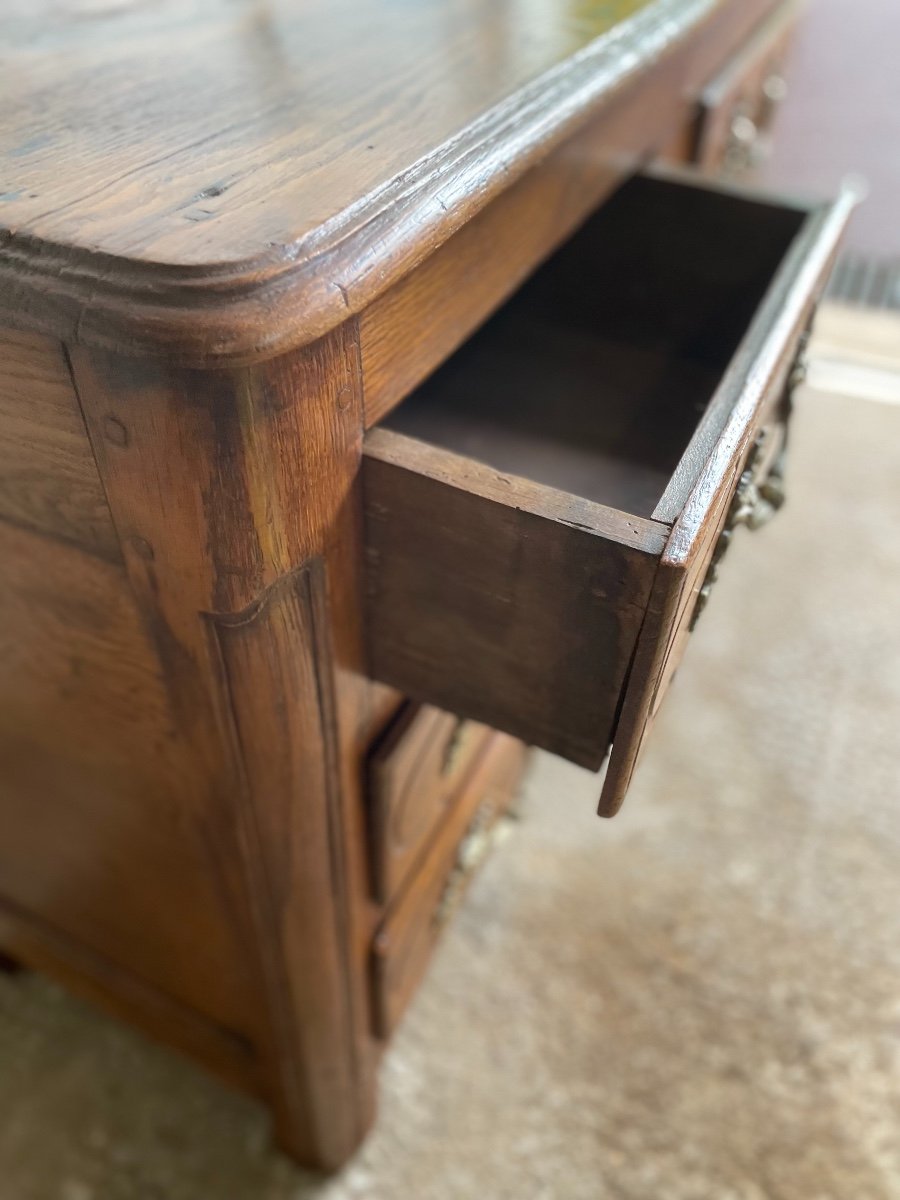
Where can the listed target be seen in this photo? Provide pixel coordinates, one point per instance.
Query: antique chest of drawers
(369, 412)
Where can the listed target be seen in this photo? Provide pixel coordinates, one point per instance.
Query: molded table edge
(232, 313)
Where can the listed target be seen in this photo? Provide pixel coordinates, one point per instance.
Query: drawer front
(412, 776)
(542, 515)
(685, 584)
(738, 107)
(407, 935)
(500, 600)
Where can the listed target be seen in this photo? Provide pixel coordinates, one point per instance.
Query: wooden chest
(366, 416)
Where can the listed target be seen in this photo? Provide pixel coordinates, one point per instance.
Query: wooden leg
(235, 499)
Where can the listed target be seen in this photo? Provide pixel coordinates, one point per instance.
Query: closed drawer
(412, 775)
(542, 514)
(738, 106)
(412, 925)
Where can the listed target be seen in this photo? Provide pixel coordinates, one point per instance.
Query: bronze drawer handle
(746, 145)
(774, 93)
(742, 151)
(483, 834)
(454, 747)
(754, 505)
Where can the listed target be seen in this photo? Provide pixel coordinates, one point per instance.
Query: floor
(699, 1000)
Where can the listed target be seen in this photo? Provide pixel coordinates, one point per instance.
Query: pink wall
(842, 114)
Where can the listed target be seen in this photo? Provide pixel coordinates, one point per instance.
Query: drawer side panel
(500, 614)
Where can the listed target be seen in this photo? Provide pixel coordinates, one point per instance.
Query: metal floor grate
(863, 281)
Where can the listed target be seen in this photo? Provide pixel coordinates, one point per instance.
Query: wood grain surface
(502, 599)
(413, 924)
(106, 982)
(277, 175)
(234, 502)
(48, 478)
(102, 835)
(412, 774)
(231, 236)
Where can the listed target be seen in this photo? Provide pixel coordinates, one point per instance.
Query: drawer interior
(595, 376)
(541, 514)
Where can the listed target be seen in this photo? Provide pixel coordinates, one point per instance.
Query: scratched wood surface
(204, 208)
(99, 834)
(279, 172)
(48, 478)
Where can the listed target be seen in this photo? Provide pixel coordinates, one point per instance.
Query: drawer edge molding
(760, 368)
(484, 588)
(467, 475)
(238, 308)
(761, 361)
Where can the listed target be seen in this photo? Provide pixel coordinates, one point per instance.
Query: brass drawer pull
(750, 123)
(743, 150)
(754, 505)
(455, 746)
(484, 832)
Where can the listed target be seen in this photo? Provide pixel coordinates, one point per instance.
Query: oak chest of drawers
(367, 415)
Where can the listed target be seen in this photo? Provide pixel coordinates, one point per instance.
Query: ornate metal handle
(743, 141)
(483, 833)
(774, 93)
(754, 505)
(750, 121)
(454, 747)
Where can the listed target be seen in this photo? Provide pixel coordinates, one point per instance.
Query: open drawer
(542, 514)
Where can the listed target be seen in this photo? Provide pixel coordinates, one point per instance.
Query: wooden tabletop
(220, 179)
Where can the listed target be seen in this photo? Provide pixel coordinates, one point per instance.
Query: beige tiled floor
(697, 1001)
